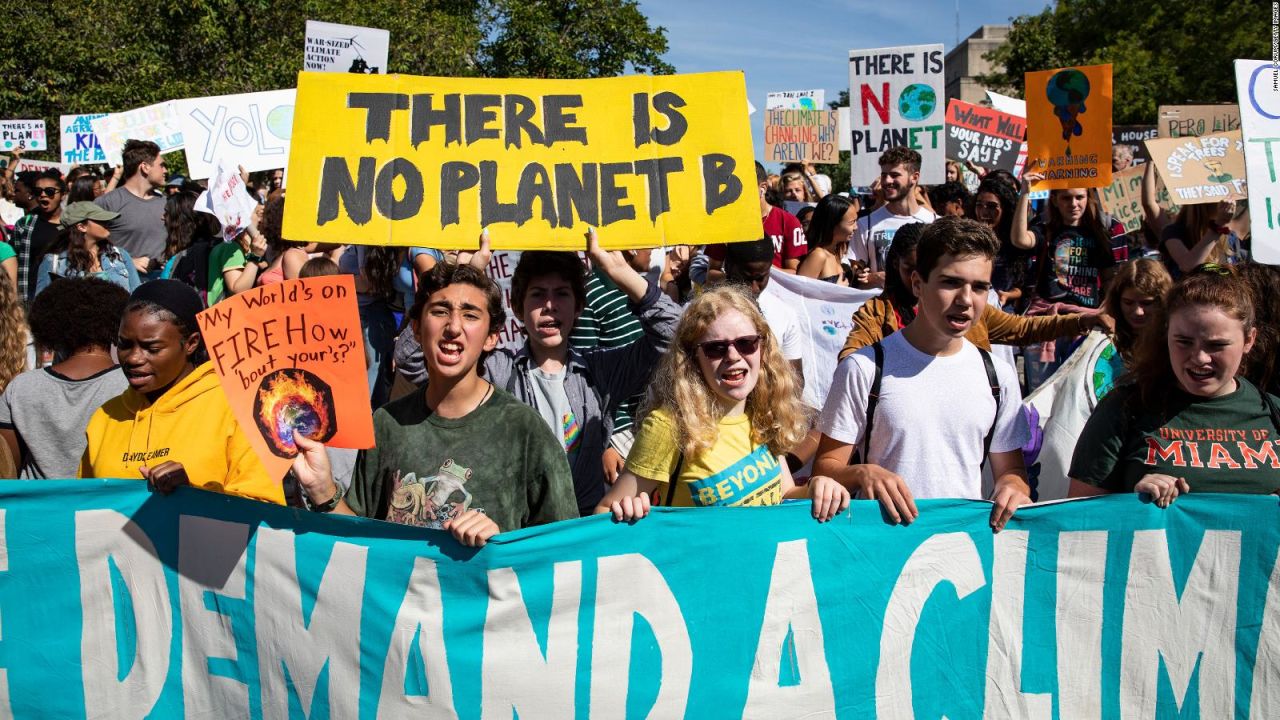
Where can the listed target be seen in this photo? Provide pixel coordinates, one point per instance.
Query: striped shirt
(607, 321)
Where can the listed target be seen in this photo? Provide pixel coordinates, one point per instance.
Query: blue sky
(804, 44)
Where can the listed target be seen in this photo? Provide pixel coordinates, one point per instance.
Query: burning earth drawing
(293, 399)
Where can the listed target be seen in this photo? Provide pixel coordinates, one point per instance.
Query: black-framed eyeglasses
(47, 192)
(717, 349)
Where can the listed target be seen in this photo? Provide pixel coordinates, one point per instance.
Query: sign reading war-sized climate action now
(203, 605)
(1203, 169)
(647, 160)
(984, 136)
(1258, 86)
(801, 136)
(896, 100)
(290, 356)
(1069, 126)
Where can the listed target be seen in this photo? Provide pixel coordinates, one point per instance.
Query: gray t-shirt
(552, 403)
(49, 412)
(933, 414)
(140, 227)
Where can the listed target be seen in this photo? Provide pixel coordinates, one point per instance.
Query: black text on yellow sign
(404, 160)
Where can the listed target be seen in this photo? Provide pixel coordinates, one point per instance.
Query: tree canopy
(1161, 53)
(115, 55)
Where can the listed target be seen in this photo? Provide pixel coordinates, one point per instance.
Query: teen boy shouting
(460, 455)
(942, 408)
(574, 392)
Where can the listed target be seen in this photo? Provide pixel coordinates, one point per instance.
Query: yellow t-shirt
(733, 471)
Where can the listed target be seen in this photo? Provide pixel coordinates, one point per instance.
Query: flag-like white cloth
(1057, 412)
(1006, 104)
(228, 200)
(825, 310)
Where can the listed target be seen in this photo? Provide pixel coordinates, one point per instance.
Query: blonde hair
(790, 177)
(778, 418)
(13, 338)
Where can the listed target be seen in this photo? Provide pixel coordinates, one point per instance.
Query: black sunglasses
(717, 349)
(47, 192)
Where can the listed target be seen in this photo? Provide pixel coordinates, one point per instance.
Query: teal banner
(118, 603)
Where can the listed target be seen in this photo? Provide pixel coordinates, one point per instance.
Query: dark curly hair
(536, 263)
(77, 313)
(444, 274)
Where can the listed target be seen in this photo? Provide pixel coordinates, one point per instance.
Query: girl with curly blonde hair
(725, 409)
(13, 333)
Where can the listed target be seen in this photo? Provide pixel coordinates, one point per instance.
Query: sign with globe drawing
(896, 99)
(1069, 127)
(254, 128)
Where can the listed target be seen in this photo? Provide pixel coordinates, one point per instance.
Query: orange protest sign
(291, 357)
(1069, 126)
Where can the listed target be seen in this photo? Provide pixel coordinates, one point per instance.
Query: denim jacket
(596, 381)
(117, 267)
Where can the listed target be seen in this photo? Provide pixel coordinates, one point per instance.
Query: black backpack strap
(994, 381)
(873, 399)
(670, 499)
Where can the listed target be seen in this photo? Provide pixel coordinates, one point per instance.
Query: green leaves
(114, 55)
(1162, 53)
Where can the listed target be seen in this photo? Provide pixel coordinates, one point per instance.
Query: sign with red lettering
(983, 136)
(291, 357)
(896, 100)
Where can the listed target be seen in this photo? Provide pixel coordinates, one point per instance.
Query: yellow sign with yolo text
(405, 160)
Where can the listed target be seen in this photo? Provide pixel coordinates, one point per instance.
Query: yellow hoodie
(191, 424)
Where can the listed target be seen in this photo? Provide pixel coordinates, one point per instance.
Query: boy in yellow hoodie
(173, 425)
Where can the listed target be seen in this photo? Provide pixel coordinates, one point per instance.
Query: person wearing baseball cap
(83, 249)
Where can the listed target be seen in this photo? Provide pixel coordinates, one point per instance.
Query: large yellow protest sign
(1069, 127)
(405, 160)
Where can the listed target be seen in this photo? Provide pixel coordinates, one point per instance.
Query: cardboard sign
(251, 128)
(22, 135)
(801, 136)
(984, 136)
(896, 100)
(345, 48)
(1122, 199)
(390, 160)
(1201, 169)
(796, 100)
(1134, 136)
(80, 145)
(25, 164)
(290, 356)
(1069, 126)
(157, 123)
(1258, 86)
(1176, 121)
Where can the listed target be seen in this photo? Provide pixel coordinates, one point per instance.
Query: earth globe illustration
(917, 102)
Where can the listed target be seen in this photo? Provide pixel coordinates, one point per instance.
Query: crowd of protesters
(644, 377)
